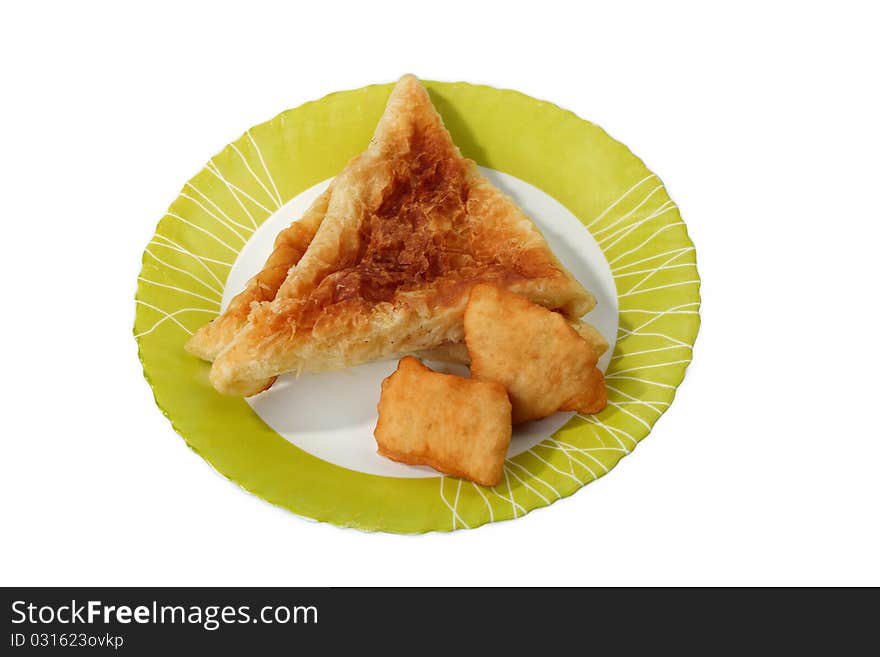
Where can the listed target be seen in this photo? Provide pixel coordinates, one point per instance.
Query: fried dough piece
(456, 352)
(290, 244)
(544, 364)
(410, 227)
(455, 425)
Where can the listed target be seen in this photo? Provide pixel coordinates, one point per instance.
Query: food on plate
(544, 364)
(456, 352)
(411, 250)
(455, 425)
(410, 227)
(290, 244)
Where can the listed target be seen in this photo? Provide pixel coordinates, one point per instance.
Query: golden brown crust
(544, 364)
(593, 398)
(410, 227)
(290, 245)
(455, 425)
(456, 352)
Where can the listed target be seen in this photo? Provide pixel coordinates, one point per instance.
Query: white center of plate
(332, 415)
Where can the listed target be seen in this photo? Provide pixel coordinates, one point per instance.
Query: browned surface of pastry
(410, 227)
(455, 425)
(544, 364)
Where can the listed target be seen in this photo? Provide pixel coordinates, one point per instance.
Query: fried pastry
(544, 364)
(455, 425)
(410, 227)
(290, 244)
(456, 352)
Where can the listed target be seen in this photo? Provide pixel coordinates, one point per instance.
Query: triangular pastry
(411, 226)
(289, 246)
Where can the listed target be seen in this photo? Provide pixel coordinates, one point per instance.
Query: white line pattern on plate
(612, 431)
(524, 483)
(203, 230)
(256, 177)
(552, 445)
(614, 377)
(650, 351)
(183, 271)
(646, 241)
(665, 267)
(554, 468)
(479, 489)
(182, 249)
(629, 214)
(454, 509)
(624, 231)
(619, 199)
(265, 168)
(659, 287)
(533, 476)
(212, 168)
(568, 453)
(653, 272)
(216, 170)
(513, 503)
(178, 289)
(632, 415)
(220, 221)
(166, 316)
(685, 249)
(217, 207)
(636, 400)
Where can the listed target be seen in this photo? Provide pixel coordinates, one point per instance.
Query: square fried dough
(455, 425)
(544, 364)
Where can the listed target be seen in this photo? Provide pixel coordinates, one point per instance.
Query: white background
(761, 119)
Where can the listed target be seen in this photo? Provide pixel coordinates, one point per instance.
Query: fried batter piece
(455, 425)
(456, 352)
(410, 227)
(544, 364)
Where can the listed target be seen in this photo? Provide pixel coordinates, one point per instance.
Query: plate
(306, 444)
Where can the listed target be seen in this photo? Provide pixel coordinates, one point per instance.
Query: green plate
(611, 192)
